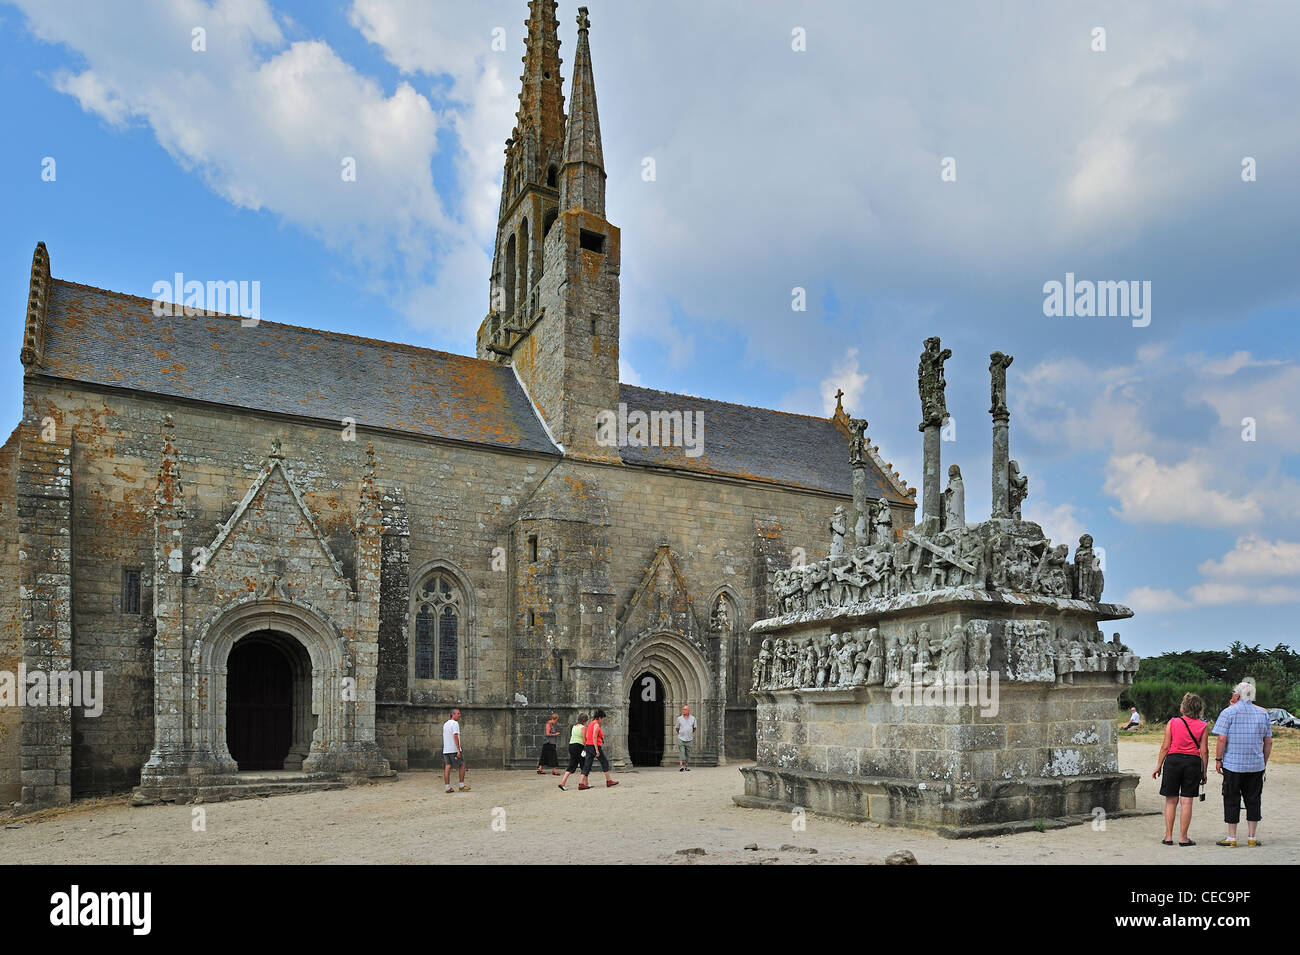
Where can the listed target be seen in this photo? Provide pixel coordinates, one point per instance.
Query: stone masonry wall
(457, 503)
(11, 632)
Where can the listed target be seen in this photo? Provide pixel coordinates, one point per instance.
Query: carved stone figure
(765, 664)
(807, 665)
(998, 365)
(1017, 488)
(952, 661)
(846, 655)
(923, 663)
(931, 384)
(720, 619)
(882, 522)
(1052, 576)
(907, 660)
(979, 644)
(972, 549)
(823, 663)
(857, 441)
(893, 661)
(757, 673)
(838, 528)
(954, 501)
(1088, 578)
(833, 652)
(875, 658)
(861, 664)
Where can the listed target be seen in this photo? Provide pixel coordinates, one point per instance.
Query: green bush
(1158, 700)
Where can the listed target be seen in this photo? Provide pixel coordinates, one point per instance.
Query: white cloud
(1216, 593)
(1254, 556)
(1061, 523)
(627, 374)
(1153, 600)
(846, 374)
(1179, 493)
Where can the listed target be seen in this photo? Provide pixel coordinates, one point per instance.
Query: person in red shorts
(595, 749)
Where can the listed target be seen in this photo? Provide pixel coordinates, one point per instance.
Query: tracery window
(439, 619)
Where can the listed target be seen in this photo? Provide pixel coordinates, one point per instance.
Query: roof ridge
(301, 328)
(731, 404)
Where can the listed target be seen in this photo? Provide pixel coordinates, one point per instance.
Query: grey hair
(1245, 690)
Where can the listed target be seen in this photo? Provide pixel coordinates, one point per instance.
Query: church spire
(535, 143)
(583, 183)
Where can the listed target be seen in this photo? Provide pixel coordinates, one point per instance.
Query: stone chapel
(290, 552)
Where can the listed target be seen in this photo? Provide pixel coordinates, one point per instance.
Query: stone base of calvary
(951, 675)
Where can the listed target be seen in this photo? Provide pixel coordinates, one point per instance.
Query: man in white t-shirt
(685, 725)
(1134, 719)
(451, 751)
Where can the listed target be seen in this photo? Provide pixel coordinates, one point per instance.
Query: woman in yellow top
(576, 737)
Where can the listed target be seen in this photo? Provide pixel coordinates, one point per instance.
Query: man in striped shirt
(1245, 743)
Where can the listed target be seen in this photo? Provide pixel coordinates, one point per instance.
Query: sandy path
(646, 819)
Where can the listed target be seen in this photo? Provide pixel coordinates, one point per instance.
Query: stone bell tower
(555, 274)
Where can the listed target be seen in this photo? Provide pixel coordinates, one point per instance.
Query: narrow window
(593, 326)
(130, 591)
(551, 173)
(437, 648)
(424, 644)
(532, 548)
(448, 643)
(532, 618)
(592, 241)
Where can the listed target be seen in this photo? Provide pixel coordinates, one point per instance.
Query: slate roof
(755, 443)
(108, 338)
(112, 339)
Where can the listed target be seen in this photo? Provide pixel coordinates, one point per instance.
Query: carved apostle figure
(882, 522)
(765, 663)
(998, 365)
(893, 661)
(1017, 489)
(833, 652)
(952, 662)
(807, 665)
(823, 663)
(839, 527)
(876, 656)
(861, 664)
(954, 501)
(924, 655)
(1088, 579)
(930, 383)
(846, 657)
(907, 659)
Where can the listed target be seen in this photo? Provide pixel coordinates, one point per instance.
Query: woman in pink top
(1183, 759)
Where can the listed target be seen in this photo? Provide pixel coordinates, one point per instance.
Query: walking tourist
(1241, 756)
(451, 751)
(550, 734)
(594, 748)
(576, 737)
(685, 725)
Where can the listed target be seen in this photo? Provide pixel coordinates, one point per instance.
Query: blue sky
(775, 168)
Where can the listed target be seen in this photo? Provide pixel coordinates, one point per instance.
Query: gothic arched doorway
(268, 702)
(682, 676)
(645, 721)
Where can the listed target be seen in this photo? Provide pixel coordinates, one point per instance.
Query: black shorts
(1181, 775)
(575, 757)
(452, 759)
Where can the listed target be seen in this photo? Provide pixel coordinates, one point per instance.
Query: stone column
(169, 756)
(998, 364)
(931, 505)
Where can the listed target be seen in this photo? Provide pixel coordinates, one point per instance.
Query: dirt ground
(647, 819)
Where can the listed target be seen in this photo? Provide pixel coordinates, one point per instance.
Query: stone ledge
(932, 804)
(940, 600)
